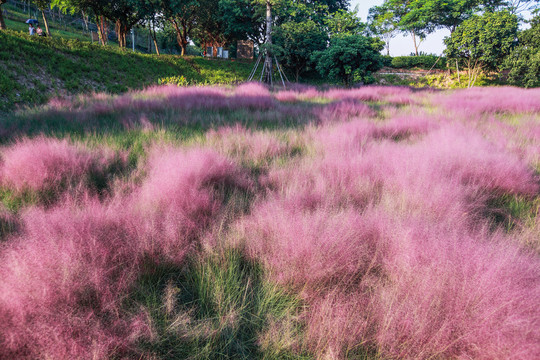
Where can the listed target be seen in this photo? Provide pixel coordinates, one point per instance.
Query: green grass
(35, 69)
(217, 308)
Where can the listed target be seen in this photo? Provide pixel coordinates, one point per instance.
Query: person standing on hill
(39, 31)
(31, 29)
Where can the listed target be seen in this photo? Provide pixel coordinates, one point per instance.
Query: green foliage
(482, 42)
(427, 62)
(296, 43)
(524, 62)
(344, 23)
(349, 58)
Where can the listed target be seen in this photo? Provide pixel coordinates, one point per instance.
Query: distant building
(244, 49)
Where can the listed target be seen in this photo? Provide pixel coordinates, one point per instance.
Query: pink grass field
(387, 223)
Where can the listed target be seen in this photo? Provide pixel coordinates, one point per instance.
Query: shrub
(174, 80)
(427, 62)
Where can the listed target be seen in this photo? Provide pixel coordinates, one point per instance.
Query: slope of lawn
(239, 223)
(33, 69)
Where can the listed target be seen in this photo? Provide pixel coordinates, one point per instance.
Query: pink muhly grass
(354, 135)
(188, 177)
(343, 110)
(491, 100)
(251, 95)
(298, 92)
(442, 295)
(42, 164)
(400, 127)
(246, 145)
(458, 297)
(312, 250)
(416, 274)
(287, 96)
(64, 280)
(252, 89)
(477, 162)
(391, 94)
(182, 193)
(67, 275)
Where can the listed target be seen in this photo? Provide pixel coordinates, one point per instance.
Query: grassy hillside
(33, 69)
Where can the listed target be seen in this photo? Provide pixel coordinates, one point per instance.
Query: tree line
(325, 36)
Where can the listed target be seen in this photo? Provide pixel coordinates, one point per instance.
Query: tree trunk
(415, 45)
(100, 23)
(2, 22)
(46, 23)
(85, 19)
(181, 36)
(121, 30)
(268, 59)
(154, 37)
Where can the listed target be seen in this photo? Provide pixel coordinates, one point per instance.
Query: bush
(174, 80)
(423, 62)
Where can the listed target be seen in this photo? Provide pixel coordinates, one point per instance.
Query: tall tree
(150, 13)
(296, 43)
(98, 8)
(2, 22)
(242, 19)
(182, 14)
(382, 24)
(519, 6)
(124, 15)
(524, 61)
(210, 28)
(401, 12)
(483, 41)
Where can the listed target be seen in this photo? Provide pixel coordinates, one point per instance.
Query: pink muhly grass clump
(252, 89)
(406, 270)
(343, 110)
(183, 192)
(63, 283)
(438, 295)
(391, 94)
(353, 136)
(178, 177)
(251, 95)
(491, 100)
(298, 92)
(287, 96)
(43, 164)
(466, 155)
(246, 145)
(404, 126)
(309, 250)
(454, 296)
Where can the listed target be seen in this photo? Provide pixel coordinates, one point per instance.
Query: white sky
(403, 45)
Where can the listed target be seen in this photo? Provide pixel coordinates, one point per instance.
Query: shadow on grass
(217, 308)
